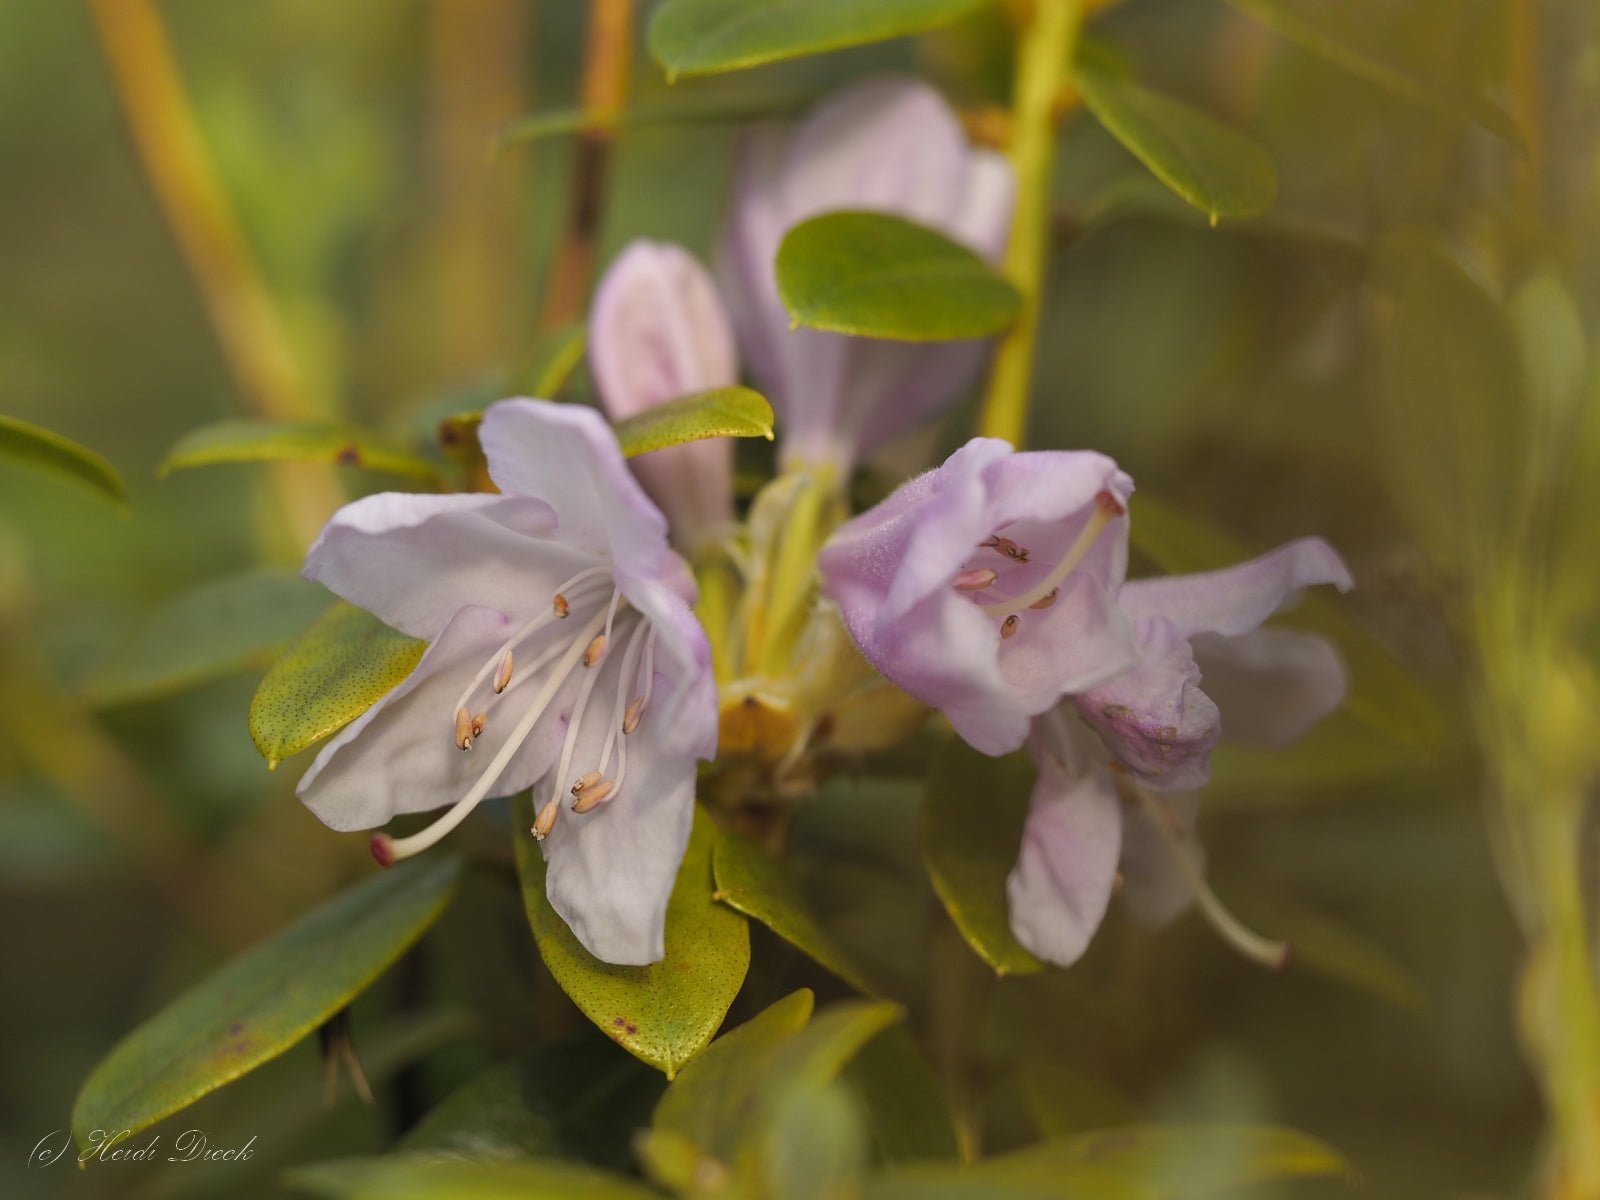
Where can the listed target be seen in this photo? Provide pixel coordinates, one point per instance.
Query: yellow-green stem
(1045, 48)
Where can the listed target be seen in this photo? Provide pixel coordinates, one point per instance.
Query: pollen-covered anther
(545, 821)
(974, 580)
(464, 730)
(596, 650)
(478, 720)
(560, 605)
(587, 780)
(592, 796)
(1008, 627)
(1007, 547)
(502, 673)
(631, 718)
(1047, 600)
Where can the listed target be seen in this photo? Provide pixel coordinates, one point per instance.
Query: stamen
(1007, 547)
(393, 850)
(593, 796)
(1106, 507)
(545, 821)
(630, 719)
(642, 636)
(463, 728)
(585, 781)
(1270, 954)
(590, 678)
(1048, 600)
(974, 580)
(562, 608)
(595, 650)
(1008, 627)
(502, 673)
(477, 722)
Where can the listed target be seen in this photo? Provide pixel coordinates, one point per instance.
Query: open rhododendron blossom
(992, 588)
(563, 656)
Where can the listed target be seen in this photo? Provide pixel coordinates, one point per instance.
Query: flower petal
(1154, 718)
(567, 456)
(414, 560)
(657, 331)
(1153, 887)
(1059, 889)
(400, 756)
(1237, 599)
(1272, 685)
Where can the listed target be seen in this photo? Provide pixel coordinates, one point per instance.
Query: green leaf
(972, 819)
(700, 37)
(264, 1001)
(227, 625)
(293, 441)
(720, 412)
(906, 1113)
(815, 1147)
(31, 443)
(1384, 694)
(419, 1177)
(565, 121)
(579, 1099)
(726, 1102)
(1219, 170)
(1062, 1100)
(875, 275)
(664, 1013)
(327, 678)
(758, 885)
(1343, 34)
(1136, 1162)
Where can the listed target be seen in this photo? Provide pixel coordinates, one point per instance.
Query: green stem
(1045, 49)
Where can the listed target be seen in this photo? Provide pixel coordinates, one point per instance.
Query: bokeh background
(401, 266)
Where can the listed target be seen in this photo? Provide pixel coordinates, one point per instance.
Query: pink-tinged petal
(1154, 718)
(1153, 885)
(567, 456)
(1271, 685)
(400, 756)
(657, 331)
(890, 145)
(1067, 866)
(894, 570)
(1237, 599)
(414, 560)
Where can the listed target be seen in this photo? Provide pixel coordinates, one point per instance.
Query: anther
(477, 722)
(630, 719)
(1106, 507)
(502, 673)
(1007, 547)
(561, 606)
(1046, 601)
(382, 847)
(595, 650)
(545, 821)
(586, 781)
(463, 728)
(593, 796)
(1008, 627)
(974, 580)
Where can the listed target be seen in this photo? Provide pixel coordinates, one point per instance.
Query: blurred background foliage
(1396, 356)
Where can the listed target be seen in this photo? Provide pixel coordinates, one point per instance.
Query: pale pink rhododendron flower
(888, 145)
(563, 656)
(658, 331)
(992, 588)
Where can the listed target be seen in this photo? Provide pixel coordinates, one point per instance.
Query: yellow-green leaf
(30, 443)
(700, 37)
(327, 678)
(1384, 694)
(1219, 170)
(720, 412)
(264, 1001)
(227, 625)
(906, 1113)
(420, 1177)
(970, 853)
(875, 275)
(664, 1013)
(295, 441)
(758, 885)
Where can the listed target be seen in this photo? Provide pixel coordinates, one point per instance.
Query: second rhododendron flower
(987, 587)
(563, 656)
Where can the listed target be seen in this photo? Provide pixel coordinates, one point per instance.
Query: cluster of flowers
(565, 655)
